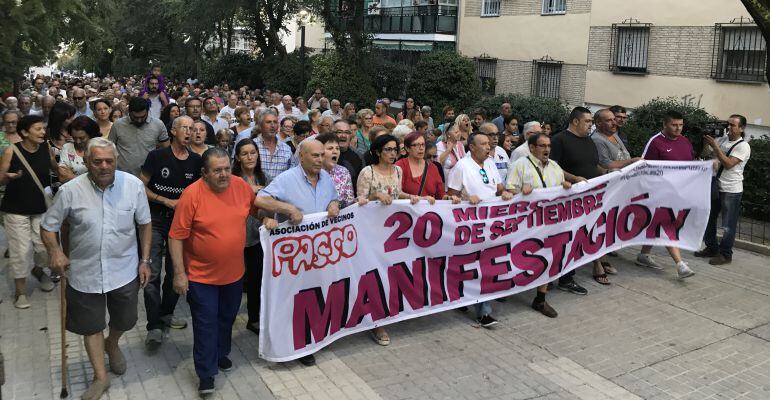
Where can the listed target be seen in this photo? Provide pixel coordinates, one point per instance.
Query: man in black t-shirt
(348, 158)
(166, 173)
(576, 154)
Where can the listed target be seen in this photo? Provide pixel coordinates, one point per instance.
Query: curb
(751, 246)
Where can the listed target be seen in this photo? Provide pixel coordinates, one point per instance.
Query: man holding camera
(731, 153)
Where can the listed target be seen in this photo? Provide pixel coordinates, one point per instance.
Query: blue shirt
(294, 188)
(103, 248)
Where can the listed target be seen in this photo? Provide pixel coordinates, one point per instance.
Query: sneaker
(225, 364)
(21, 302)
(545, 309)
(683, 270)
(46, 284)
(55, 277)
(487, 321)
(206, 386)
(720, 260)
(646, 260)
(154, 339)
(173, 323)
(706, 253)
(573, 287)
(308, 360)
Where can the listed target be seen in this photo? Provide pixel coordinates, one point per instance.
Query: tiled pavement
(647, 336)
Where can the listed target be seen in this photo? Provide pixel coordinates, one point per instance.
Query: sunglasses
(484, 177)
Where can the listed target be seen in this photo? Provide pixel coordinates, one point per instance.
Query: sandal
(602, 279)
(382, 340)
(608, 268)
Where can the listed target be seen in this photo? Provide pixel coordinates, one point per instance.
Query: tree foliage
(33, 30)
(342, 80)
(283, 74)
(525, 108)
(445, 77)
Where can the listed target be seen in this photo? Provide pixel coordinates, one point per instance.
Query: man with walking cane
(101, 208)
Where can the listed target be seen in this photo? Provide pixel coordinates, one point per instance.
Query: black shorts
(85, 311)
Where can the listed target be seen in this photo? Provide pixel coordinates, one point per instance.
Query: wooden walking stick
(63, 315)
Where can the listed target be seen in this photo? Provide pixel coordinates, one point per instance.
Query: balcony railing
(413, 19)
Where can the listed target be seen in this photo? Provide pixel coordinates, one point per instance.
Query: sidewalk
(647, 336)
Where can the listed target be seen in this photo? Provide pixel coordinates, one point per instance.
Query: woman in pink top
(451, 149)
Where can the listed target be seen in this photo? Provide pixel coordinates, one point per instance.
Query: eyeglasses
(418, 145)
(484, 177)
(390, 149)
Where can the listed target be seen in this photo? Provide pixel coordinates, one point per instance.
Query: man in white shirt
(229, 109)
(287, 108)
(530, 128)
(105, 272)
(731, 153)
(211, 115)
(335, 111)
(475, 178)
(496, 153)
(156, 98)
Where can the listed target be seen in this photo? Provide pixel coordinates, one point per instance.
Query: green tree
(342, 80)
(33, 30)
(444, 77)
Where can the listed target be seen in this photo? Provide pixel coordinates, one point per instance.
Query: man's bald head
(311, 156)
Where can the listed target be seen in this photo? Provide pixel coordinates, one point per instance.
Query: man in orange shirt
(381, 116)
(206, 243)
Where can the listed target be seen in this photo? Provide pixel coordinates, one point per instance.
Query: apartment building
(604, 52)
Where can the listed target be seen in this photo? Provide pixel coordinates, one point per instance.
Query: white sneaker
(21, 302)
(646, 260)
(683, 270)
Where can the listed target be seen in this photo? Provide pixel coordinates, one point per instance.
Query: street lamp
(302, 17)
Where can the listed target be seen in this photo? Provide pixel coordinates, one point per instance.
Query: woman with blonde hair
(450, 150)
(463, 123)
(314, 117)
(243, 117)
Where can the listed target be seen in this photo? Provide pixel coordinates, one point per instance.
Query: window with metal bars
(546, 77)
(490, 8)
(486, 70)
(740, 52)
(630, 44)
(554, 7)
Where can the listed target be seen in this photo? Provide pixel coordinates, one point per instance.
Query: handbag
(20, 156)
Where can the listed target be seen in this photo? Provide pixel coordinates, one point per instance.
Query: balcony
(413, 19)
(431, 19)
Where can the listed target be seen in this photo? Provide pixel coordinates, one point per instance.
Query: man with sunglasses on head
(475, 178)
(136, 134)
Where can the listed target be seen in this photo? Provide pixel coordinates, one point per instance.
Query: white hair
(529, 126)
(407, 122)
(400, 131)
(102, 143)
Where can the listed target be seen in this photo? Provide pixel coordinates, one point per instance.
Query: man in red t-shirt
(206, 242)
(668, 145)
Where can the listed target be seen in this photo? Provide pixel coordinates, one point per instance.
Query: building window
(490, 8)
(486, 70)
(546, 77)
(631, 41)
(551, 7)
(740, 52)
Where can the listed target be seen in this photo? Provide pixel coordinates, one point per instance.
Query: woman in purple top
(340, 175)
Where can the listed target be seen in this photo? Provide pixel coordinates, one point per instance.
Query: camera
(714, 129)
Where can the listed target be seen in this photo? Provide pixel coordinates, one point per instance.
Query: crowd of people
(144, 183)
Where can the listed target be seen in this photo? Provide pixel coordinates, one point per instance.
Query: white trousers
(23, 233)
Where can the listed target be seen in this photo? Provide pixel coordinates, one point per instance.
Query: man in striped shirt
(668, 145)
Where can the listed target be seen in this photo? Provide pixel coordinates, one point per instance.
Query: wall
(666, 12)
(516, 77)
(718, 98)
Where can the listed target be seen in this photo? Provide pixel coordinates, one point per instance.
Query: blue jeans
(729, 205)
(213, 309)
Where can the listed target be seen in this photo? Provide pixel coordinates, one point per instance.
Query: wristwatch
(147, 261)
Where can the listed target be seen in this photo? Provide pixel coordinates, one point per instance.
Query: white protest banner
(375, 265)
